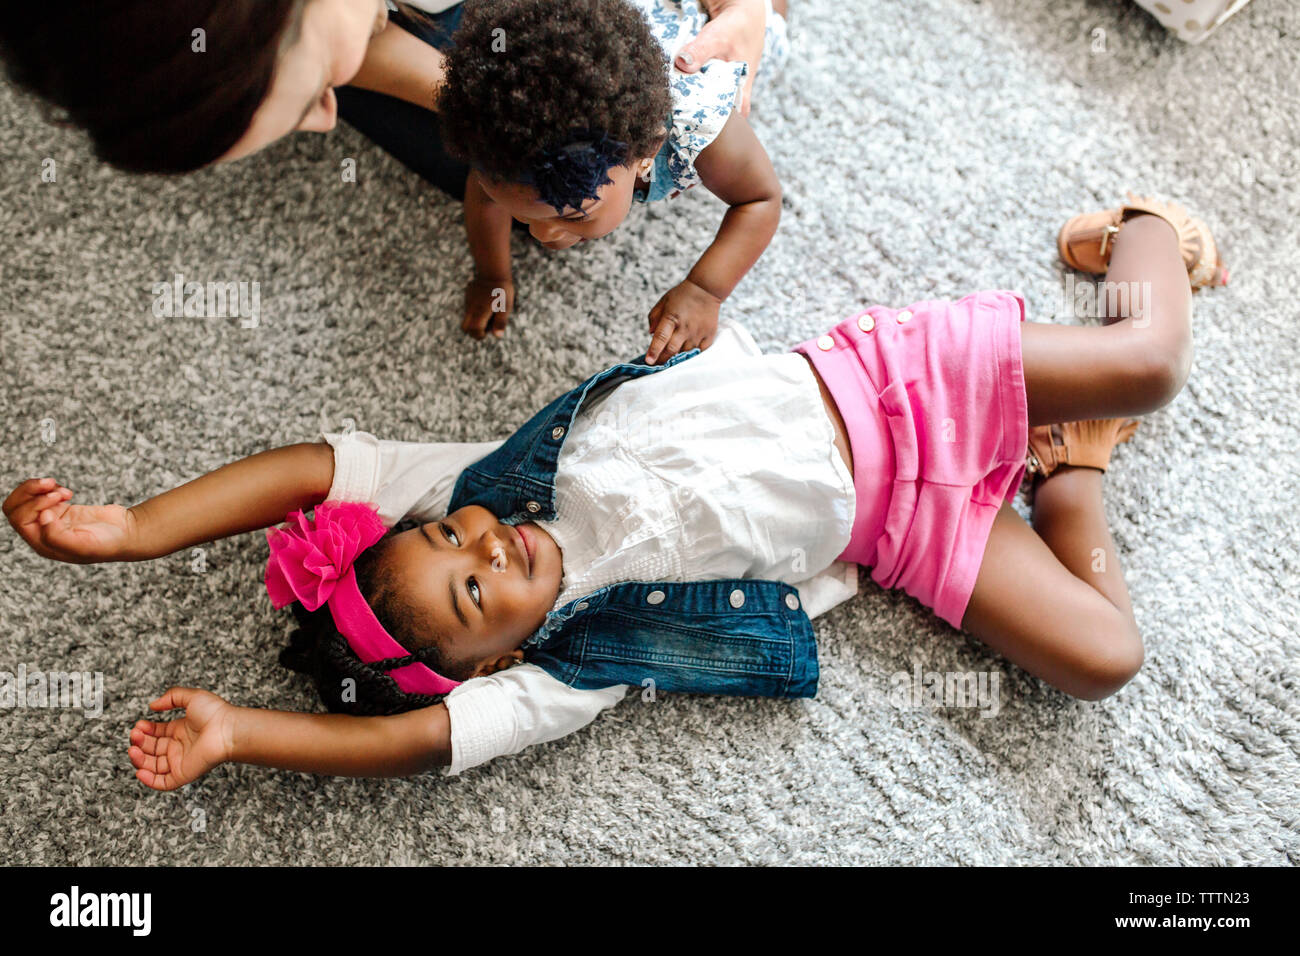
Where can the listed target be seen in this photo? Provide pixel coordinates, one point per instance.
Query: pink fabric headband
(311, 562)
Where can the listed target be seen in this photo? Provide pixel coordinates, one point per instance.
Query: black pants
(408, 132)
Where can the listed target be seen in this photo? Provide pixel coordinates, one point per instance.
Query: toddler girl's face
(484, 587)
(598, 217)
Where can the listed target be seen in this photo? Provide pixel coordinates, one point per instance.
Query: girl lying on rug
(566, 120)
(677, 526)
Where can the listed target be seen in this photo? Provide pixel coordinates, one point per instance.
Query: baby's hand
(41, 511)
(172, 753)
(488, 303)
(685, 318)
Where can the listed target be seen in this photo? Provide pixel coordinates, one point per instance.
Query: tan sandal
(1086, 443)
(1085, 241)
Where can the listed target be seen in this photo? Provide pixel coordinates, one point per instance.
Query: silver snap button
(533, 506)
(904, 316)
(655, 597)
(826, 343)
(866, 323)
(737, 598)
(557, 432)
(792, 602)
(582, 606)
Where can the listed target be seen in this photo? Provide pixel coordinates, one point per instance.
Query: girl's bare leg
(1052, 598)
(1138, 361)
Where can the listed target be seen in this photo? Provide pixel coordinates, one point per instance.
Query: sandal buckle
(1105, 237)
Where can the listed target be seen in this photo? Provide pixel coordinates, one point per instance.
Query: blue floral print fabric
(703, 101)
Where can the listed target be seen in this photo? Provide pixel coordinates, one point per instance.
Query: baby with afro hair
(568, 113)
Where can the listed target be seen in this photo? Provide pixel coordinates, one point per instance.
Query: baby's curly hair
(528, 78)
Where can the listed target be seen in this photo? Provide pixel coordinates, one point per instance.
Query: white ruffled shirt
(722, 466)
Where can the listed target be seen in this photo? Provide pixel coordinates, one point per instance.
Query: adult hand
(735, 32)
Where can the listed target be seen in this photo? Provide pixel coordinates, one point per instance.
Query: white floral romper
(703, 101)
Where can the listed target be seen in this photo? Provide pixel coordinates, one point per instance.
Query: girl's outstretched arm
(737, 170)
(254, 492)
(170, 754)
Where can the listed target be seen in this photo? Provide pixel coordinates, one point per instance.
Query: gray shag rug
(926, 149)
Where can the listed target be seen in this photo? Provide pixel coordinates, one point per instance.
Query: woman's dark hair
(528, 78)
(154, 93)
(345, 683)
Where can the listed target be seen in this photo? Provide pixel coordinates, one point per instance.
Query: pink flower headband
(311, 562)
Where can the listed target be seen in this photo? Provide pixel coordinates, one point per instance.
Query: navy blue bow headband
(567, 176)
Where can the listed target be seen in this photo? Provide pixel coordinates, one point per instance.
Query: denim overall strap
(741, 636)
(517, 481)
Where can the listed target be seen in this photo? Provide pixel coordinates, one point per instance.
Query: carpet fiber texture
(926, 149)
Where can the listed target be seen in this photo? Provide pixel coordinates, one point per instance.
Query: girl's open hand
(169, 754)
(685, 318)
(488, 303)
(41, 511)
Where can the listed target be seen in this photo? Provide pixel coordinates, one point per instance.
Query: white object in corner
(1192, 20)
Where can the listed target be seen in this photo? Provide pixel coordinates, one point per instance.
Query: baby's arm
(737, 170)
(170, 754)
(490, 294)
(254, 492)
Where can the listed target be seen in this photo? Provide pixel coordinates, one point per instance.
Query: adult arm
(404, 66)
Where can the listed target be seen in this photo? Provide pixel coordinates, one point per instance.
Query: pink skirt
(933, 398)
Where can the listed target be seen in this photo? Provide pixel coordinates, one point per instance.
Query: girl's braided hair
(553, 94)
(346, 684)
